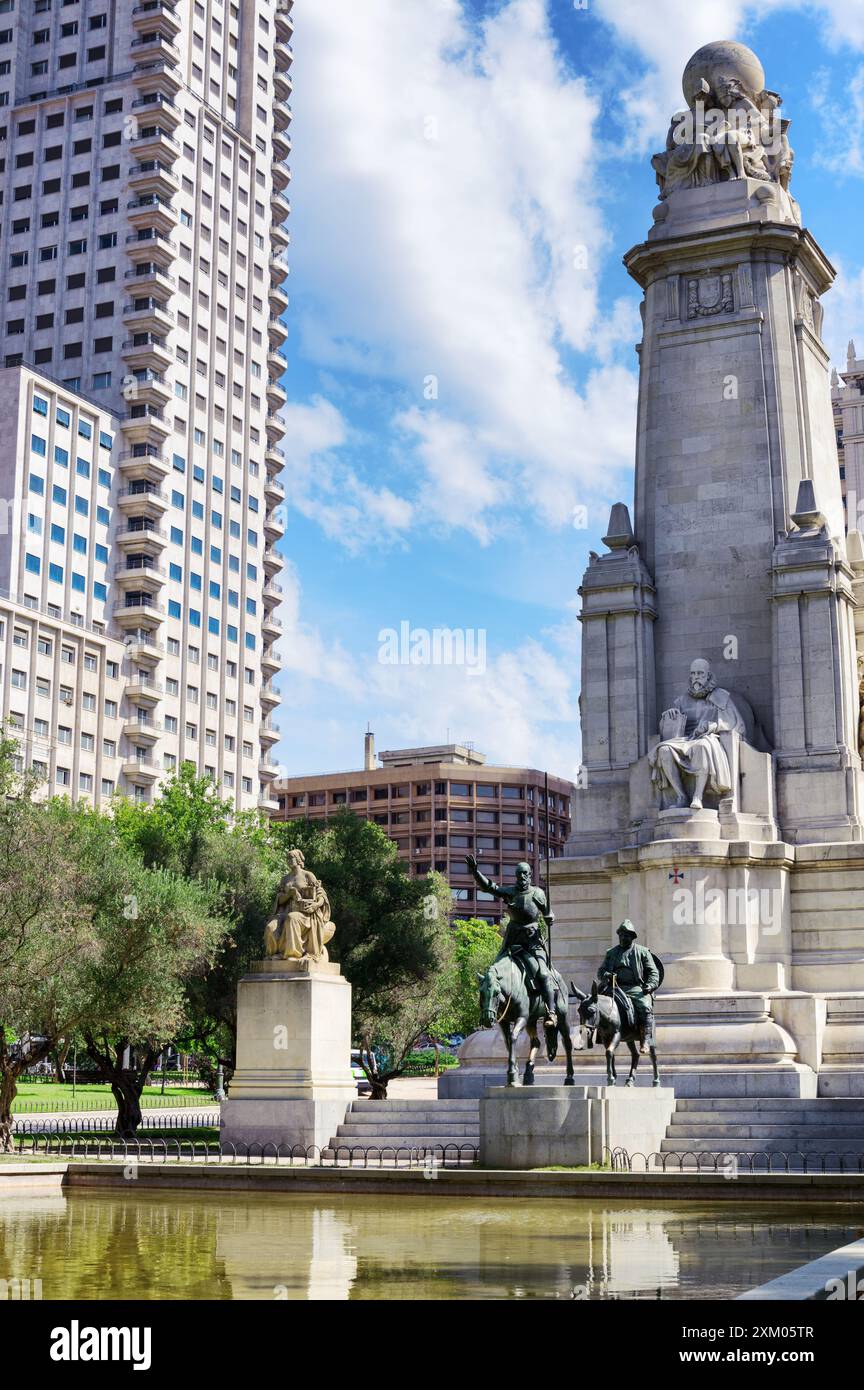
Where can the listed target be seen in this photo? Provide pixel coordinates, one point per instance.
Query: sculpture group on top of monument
(690, 749)
(731, 128)
(300, 926)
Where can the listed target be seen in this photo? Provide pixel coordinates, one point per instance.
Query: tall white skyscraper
(143, 173)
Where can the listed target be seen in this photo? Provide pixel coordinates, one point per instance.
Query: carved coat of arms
(710, 294)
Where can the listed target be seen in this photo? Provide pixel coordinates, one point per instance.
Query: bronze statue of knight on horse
(521, 988)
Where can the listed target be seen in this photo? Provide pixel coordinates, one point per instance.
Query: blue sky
(462, 377)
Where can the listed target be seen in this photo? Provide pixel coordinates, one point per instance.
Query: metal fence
(425, 1157)
(732, 1162)
(89, 1107)
(199, 1119)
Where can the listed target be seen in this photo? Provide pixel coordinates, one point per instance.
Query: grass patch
(57, 1097)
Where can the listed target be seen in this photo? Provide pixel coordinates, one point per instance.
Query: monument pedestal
(293, 1082)
(538, 1126)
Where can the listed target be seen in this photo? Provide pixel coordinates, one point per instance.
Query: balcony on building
(152, 176)
(139, 607)
(145, 463)
(272, 592)
(155, 16)
(283, 84)
(158, 76)
(141, 771)
(144, 690)
(282, 115)
(146, 350)
(145, 731)
(150, 278)
(274, 526)
(270, 662)
(158, 107)
(271, 627)
(275, 426)
(281, 144)
(150, 388)
(277, 396)
(148, 244)
(272, 561)
(151, 211)
(144, 314)
(268, 733)
(143, 499)
(277, 362)
(274, 458)
(155, 142)
(269, 696)
(140, 572)
(281, 175)
(145, 424)
(142, 649)
(277, 330)
(274, 492)
(283, 21)
(279, 300)
(267, 803)
(267, 771)
(142, 537)
(280, 237)
(280, 207)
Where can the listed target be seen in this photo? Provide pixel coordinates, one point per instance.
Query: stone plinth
(293, 1082)
(537, 1126)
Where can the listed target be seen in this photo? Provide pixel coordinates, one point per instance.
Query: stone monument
(293, 1083)
(721, 804)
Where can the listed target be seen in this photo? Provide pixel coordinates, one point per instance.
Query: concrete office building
(440, 804)
(143, 177)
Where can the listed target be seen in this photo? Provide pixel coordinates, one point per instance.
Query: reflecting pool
(191, 1245)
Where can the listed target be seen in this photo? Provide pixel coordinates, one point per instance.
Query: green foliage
(392, 937)
(476, 944)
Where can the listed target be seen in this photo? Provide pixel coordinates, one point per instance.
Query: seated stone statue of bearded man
(690, 749)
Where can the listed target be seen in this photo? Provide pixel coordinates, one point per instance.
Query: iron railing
(76, 1125)
(726, 1161)
(107, 1103)
(424, 1156)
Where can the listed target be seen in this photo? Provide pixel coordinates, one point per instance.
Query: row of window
(461, 789)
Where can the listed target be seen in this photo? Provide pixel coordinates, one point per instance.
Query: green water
(186, 1245)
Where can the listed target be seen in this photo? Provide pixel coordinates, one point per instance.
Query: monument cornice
(650, 259)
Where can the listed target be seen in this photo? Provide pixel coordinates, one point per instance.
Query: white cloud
(322, 484)
(446, 187)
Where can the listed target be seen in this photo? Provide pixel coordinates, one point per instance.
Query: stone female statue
(300, 927)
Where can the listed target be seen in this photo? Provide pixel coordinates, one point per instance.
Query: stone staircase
(818, 1129)
(409, 1124)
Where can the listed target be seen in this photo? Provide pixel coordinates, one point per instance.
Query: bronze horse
(504, 1000)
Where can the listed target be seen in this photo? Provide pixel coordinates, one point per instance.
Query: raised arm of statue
(483, 882)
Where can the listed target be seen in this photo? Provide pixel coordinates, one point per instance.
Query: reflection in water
(188, 1245)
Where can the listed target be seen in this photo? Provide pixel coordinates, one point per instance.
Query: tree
(156, 931)
(392, 939)
(188, 829)
(46, 928)
(475, 946)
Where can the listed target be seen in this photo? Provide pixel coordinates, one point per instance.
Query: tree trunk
(58, 1057)
(8, 1092)
(379, 1087)
(126, 1089)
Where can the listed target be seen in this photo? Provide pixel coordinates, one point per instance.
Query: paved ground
(413, 1088)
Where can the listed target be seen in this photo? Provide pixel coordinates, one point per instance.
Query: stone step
(398, 1106)
(347, 1128)
(439, 1141)
(414, 1117)
(819, 1107)
(791, 1144)
(806, 1119)
(851, 1134)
